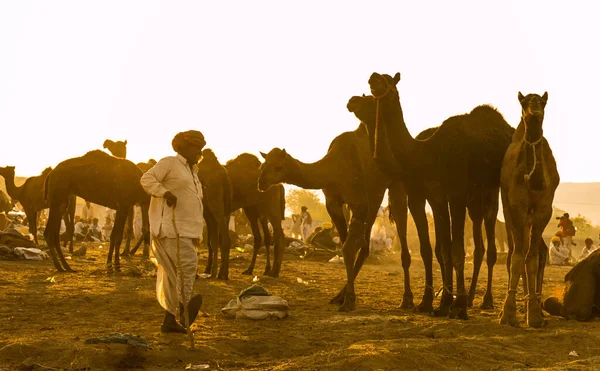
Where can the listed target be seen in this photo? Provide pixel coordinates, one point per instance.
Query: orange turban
(188, 138)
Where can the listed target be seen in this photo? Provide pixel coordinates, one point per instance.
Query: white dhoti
(168, 279)
(306, 230)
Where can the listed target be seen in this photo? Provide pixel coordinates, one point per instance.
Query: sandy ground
(44, 325)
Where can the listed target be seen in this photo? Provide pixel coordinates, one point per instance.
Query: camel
(217, 200)
(528, 183)
(118, 148)
(347, 175)
(581, 296)
(264, 207)
(102, 179)
(463, 156)
(31, 196)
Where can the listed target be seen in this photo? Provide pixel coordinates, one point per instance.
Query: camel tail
(391, 216)
(282, 201)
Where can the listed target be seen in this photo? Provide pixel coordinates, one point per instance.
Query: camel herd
(461, 166)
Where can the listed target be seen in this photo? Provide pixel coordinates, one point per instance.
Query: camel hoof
(407, 301)
(339, 298)
(349, 304)
(443, 310)
(506, 319)
(424, 307)
(223, 277)
(247, 272)
(488, 302)
(458, 309)
(537, 322)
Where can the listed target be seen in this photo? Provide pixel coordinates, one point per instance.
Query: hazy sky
(252, 75)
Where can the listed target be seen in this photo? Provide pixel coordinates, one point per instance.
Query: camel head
(384, 86)
(364, 110)
(118, 148)
(209, 155)
(7, 172)
(273, 170)
(532, 114)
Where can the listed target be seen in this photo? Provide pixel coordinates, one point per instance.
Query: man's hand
(171, 199)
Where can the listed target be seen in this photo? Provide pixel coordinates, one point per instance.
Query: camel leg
(356, 238)
(52, 229)
(225, 246)
(490, 231)
(478, 252)
(416, 204)
(116, 237)
(70, 221)
(146, 232)
(278, 246)
(267, 236)
(517, 267)
(126, 251)
(32, 217)
(534, 310)
(212, 240)
(458, 209)
(399, 209)
(335, 211)
(443, 238)
(252, 215)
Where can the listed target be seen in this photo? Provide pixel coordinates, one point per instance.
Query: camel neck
(13, 191)
(533, 129)
(314, 175)
(393, 130)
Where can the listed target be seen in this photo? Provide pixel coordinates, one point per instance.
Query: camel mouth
(353, 103)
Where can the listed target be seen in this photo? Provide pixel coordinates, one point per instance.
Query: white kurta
(173, 174)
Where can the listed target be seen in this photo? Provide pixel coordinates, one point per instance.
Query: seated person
(95, 231)
(81, 231)
(587, 249)
(324, 237)
(559, 255)
(581, 296)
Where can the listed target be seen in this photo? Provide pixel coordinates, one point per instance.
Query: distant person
(81, 231)
(296, 226)
(176, 194)
(587, 249)
(108, 225)
(324, 238)
(568, 230)
(306, 223)
(559, 255)
(87, 212)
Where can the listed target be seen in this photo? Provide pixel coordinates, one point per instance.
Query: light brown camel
(347, 175)
(99, 178)
(464, 154)
(581, 295)
(217, 200)
(264, 207)
(31, 196)
(5, 203)
(529, 180)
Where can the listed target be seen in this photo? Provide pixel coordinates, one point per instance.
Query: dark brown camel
(264, 207)
(463, 155)
(31, 196)
(347, 175)
(99, 178)
(217, 200)
(581, 296)
(119, 149)
(529, 180)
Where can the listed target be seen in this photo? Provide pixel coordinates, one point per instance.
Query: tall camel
(31, 196)
(347, 175)
(464, 154)
(528, 183)
(259, 207)
(102, 179)
(217, 200)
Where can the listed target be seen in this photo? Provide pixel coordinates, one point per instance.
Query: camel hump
(245, 160)
(46, 171)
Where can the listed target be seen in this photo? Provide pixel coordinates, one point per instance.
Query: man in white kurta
(173, 183)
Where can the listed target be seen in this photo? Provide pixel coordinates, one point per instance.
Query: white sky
(252, 75)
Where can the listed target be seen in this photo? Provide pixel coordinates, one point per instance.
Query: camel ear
(264, 155)
(364, 96)
(396, 78)
(125, 142)
(545, 97)
(521, 97)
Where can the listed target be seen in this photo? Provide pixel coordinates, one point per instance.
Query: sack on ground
(256, 303)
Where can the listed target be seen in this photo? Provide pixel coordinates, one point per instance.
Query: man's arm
(152, 179)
